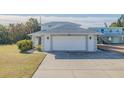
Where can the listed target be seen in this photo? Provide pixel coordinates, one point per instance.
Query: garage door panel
(68, 43)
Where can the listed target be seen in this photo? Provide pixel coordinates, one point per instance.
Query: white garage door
(68, 43)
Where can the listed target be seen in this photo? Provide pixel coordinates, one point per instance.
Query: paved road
(101, 64)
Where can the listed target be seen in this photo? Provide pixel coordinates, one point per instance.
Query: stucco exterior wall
(117, 39)
(47, 43)
(92, 43)
(34, 41)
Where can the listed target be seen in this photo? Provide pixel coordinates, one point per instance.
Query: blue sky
(86, 20)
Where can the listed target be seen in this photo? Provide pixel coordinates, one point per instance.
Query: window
(110, 30)
(47, 38)
(39, 40)
(123, 29)
(44, 30)
(50, 26)
(102, 30)
(90, 37)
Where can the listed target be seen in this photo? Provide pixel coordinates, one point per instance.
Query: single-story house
(65, 36)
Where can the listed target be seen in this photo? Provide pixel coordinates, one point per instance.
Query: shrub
(39, 48)
(24, 45)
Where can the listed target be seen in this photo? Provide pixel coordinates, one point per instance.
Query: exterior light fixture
(90, 37)
(47, 37)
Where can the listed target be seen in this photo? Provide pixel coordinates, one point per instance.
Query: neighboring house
(65, 36)
(111, 34)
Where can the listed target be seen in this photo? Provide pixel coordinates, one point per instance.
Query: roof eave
(72, 33)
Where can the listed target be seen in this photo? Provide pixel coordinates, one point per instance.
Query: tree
(119, 23)
(32, 25)
(2, 28)
(105, 24)
(122, 20)
(19, 31)
(114, 24)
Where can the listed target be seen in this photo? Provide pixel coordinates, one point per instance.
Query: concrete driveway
(101, 64)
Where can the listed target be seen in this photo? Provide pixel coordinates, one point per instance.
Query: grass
(14, 64)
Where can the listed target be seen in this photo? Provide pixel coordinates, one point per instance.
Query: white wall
(34, 41)
(91, 44)
(47, 43)
(116, 39)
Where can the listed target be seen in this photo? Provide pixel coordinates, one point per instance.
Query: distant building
(111, 34)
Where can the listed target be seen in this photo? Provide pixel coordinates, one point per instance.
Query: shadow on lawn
(28, 52)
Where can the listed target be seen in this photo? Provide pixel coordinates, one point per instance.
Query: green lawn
(15, 64)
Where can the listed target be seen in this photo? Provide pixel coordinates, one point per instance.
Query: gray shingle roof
(68, 30)
(66, 27)
(62, 23)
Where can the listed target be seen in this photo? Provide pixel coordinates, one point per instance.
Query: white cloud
(84, 21)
